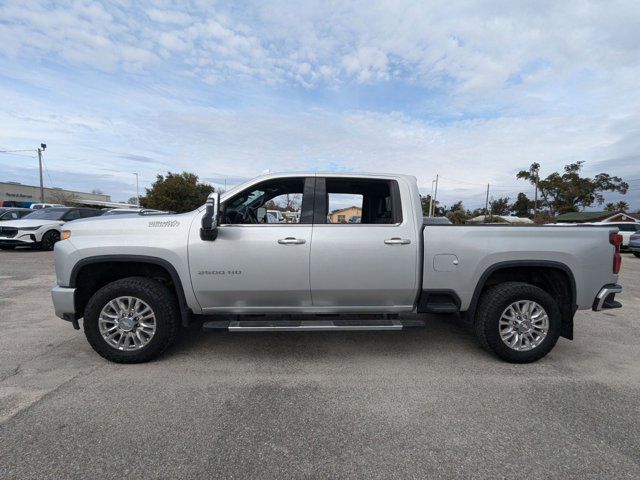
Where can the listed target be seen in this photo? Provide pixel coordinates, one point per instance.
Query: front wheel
(518, 322)
(132, 320)
(49, 240)
(637, 254)
(7, 247)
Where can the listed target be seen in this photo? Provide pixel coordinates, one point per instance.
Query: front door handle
(397, 241)
(291, 241)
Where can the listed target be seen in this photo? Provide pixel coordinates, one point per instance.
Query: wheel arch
(90, 274)
(546, 274)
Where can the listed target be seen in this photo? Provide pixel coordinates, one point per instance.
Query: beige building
(344, 214)
(14, 194)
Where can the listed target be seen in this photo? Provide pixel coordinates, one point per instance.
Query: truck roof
(336, 174)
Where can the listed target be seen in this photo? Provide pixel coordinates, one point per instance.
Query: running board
(309, 325)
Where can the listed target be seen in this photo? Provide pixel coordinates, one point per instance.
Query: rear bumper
(64, 302)
(606, 297)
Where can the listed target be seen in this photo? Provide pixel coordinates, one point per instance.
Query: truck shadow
(443, 334)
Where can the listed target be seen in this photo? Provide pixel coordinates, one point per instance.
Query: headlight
(65, 234)
(31, 228)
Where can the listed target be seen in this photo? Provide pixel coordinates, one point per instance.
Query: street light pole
(40, 150)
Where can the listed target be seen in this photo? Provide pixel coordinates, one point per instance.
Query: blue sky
(473, 91)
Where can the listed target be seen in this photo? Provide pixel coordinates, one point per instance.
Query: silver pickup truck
(135, 280)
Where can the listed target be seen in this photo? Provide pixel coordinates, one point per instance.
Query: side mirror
(209, 229)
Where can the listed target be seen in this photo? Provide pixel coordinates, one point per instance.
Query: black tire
(7, 247)
(495, 300)
(161, 300)
(49, 240)
(637, 254)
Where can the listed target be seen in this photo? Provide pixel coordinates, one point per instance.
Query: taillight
(615, 239)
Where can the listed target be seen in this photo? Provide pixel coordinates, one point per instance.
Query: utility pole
(40, 150)
(435, 196)
(431, 198)
(535, 200)
(486, 202)
(137, 190)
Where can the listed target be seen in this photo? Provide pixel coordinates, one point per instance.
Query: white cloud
(476, 45)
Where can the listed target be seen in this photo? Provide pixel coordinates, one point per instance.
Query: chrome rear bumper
(606, 298)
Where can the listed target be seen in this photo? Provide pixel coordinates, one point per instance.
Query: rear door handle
(397, 241)
(291, 241)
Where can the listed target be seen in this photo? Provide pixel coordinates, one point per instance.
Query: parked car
(634, 244)
(136, 280)
(13, 213)
(40, 227)
(626, 229)
(38, 206)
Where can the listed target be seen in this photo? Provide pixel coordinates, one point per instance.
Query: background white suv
(40, 228)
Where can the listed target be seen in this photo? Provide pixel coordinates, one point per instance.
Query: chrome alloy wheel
(524, 325)
(127, 323)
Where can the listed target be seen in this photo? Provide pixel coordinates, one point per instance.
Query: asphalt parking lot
(413, 404)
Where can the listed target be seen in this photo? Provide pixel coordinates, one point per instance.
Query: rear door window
(357, 201)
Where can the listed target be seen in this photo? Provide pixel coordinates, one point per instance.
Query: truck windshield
(47, 214)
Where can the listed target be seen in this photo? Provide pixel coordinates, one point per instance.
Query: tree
(569, 192)
(426, 201)
(61, 197)
(499, 206)
(132, 201)
(522, 206)
(178, 192)
(456, 213)
(622, 205)
(458, 217)
(97, 191)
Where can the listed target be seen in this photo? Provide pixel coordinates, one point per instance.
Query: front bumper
(64, 302)
(20, 239)
(606, 297)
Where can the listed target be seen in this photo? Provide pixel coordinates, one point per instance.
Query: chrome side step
(309, 325)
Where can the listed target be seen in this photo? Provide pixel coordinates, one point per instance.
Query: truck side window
(362, 201)
(274, 201)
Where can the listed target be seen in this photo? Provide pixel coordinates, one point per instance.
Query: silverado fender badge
(165, 223)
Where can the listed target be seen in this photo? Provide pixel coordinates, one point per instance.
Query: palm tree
(622, 205)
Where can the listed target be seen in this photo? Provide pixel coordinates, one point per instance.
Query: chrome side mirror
(209, 225)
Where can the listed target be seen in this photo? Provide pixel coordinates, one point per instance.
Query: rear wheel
(637, 254)
(7, 247)
(132, 320)
(49, 240)
(517, 321)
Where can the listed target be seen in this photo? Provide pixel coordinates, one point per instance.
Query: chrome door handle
(397, 241)
(291, 241)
